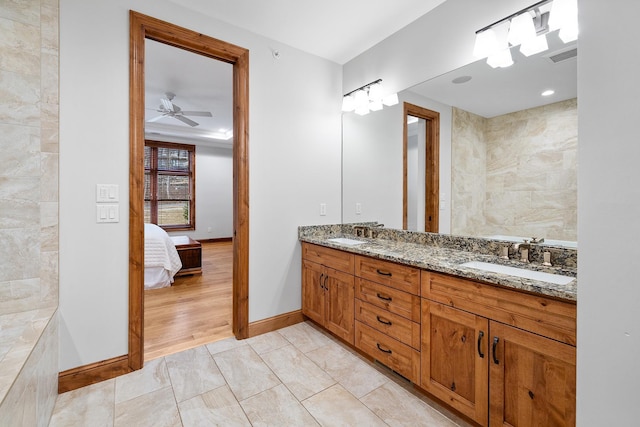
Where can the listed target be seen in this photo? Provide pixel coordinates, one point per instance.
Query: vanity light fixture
(527, 28)
(370, 97)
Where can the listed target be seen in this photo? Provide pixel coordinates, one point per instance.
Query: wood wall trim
(141, 27)
(81, 376)
(276, 322)
(432, 179)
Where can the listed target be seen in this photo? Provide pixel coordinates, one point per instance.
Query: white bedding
(161, 259)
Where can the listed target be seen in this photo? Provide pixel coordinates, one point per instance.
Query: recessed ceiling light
(548, 92)
(461, 79)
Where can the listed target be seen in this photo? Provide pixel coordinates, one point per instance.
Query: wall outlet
(323, 209)
(358, 208)
(209, 229)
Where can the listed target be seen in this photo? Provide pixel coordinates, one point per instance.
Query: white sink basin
(346, 241)
(557, 279)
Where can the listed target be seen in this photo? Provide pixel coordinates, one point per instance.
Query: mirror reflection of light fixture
(535, 45)
(564, 16)
(370, 97)
(527, 28)
(501, 57)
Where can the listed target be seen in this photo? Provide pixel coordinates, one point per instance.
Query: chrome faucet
(359, 230)
(366, 230)
(523, 248)
(537, 240)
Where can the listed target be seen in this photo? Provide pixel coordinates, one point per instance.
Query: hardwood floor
(195, 310)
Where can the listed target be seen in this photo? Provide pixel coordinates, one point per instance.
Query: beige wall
(516, 174)
(29, 153)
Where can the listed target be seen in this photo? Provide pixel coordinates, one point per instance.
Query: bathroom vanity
(498, 348)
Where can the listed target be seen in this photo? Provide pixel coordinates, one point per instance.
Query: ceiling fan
(169, 109)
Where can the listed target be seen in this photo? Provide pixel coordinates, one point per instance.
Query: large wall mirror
(507, 155)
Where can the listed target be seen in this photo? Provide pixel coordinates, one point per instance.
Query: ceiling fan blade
(155, 119)
(167, 104)
(186, 120)
(198, 113)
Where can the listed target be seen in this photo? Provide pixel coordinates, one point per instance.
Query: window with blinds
(169, 185)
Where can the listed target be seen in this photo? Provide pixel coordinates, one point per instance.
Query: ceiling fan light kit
(168, 109)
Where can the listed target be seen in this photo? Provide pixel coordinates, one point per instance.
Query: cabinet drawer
(404, 330)
(535, 313)
(397, 356)
(397, 276)
(393, 300)
(333, 258)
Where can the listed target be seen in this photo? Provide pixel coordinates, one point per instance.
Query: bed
(161, 259)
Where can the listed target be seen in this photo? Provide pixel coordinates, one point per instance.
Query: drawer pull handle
(383, 350)
(493, 350)
(383, 272)
(325, 283)
(321, 277)
(383, 321)
(480, 353)
(384, 298)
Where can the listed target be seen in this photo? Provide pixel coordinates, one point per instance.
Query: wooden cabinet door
(454, 358)
(339, 304)
(313, 294)
(532, 379)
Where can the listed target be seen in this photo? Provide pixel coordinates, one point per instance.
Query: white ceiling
(338, 30)
(494, 92)
(199, 84)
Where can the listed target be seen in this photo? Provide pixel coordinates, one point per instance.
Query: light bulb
(348, 103)
(486, 44)
(390, 100)
(536, 45)
(500, 59)
(521, 29)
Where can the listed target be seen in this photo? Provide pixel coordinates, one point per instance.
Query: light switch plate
(107, 193)
(107, 213)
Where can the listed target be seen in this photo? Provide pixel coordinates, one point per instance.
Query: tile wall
(29, 152)
(516, 174)
(29, 76)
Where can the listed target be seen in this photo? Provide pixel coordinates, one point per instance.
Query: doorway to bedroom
(189, 175)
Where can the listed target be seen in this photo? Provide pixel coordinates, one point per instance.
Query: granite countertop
(446, 260)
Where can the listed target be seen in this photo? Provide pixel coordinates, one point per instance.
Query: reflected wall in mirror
(516, 174)
(508, 164)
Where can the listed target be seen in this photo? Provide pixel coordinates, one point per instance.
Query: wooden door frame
(142, 27)
(432, 164)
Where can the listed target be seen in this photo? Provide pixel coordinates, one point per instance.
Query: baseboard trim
(274, 323)
(218, 240)
(93, 373)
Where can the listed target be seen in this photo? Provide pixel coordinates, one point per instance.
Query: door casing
(141, 27)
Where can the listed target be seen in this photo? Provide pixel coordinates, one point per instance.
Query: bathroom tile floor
(296, 376)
